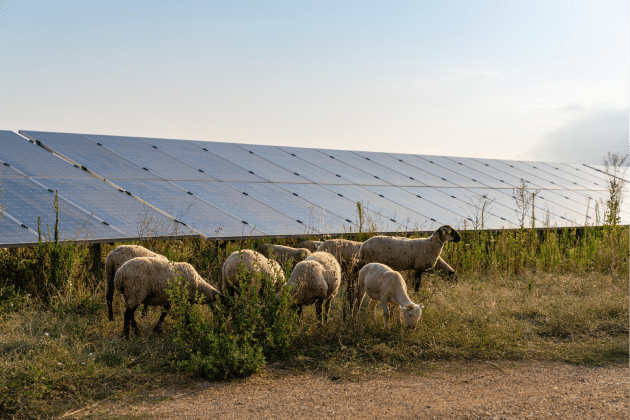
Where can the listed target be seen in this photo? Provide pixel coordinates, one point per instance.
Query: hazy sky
(545, 80)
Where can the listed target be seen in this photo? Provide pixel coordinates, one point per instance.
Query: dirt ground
(504, 390)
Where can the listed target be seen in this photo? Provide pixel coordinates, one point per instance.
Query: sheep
(247, 261)
(346, 252)
(284, 253)
(315, 280)
(383, 284)
(115, 259)
(441, 267)
(144, 280)
(407, 254)
(311, 245)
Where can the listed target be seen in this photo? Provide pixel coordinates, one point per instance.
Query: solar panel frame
(244, 207)
(201, 158)
(372, 168)
(312, 215)
(153, 159)
(298, 166)
(97, 160)
(33, 160)
(335, 166)
(193, 211)
(6, 171)
(25, 200)
(12, 232)
(253, 163)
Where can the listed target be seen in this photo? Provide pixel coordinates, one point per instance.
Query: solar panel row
(226, 190)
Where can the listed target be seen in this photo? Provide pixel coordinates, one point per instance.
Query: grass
(521, 295)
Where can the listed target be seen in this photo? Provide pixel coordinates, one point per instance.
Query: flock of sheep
(142, 276)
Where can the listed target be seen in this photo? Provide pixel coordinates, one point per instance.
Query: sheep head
(412, 313)
(447, 233)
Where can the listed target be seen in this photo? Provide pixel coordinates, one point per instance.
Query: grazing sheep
(247, 261)
(311, 245)
(284, 253)
(115, 260)
(346, 252)
(315, 280)
(382, 284)
(144, 280)
(407, 254)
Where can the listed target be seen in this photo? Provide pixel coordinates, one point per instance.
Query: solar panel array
(113, 188)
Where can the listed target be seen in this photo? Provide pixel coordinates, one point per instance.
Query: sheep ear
(410, 306)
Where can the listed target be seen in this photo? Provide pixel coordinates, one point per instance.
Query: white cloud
(586, 138)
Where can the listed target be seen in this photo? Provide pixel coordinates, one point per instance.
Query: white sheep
(282, 253)
(407, 254)
(115, 259)
(345, 251)
(145, 280)
(311, 245)
(245, 262)
(382, 284)
(315, 280)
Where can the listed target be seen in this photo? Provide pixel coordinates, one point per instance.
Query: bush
(238, 335)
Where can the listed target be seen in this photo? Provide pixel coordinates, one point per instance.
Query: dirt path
(503, 390)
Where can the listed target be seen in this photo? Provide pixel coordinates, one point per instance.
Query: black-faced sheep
(282, 253)
(115, 260)
(382, 284)
(315, 280)
(144, 280)
(247, 261)
(407, 254)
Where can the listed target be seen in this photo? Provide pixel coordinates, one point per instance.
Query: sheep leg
(358, 302)
(318, 310)
(417, 279)
(110, 298)
(130, 320)
(385, 313)
(145, 310)
(165, 309)
(299, 314)
(326, 309)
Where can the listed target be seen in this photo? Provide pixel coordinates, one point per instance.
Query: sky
(536, 80)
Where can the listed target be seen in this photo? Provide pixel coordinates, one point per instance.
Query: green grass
(559, 296)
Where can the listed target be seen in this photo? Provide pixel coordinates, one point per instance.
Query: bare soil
(483, 390)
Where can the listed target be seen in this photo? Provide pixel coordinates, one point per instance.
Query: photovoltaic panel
(330, 201)
(396, 162)
(332, 165)
(435, 215)
(555, 178)
(244, 207)
(121, 211)
(562, 172)
(455, 199)
(393, 217)
(154, 159)
(7, 171)
(87, 153)
(33, 160)
(375, 169)
(292, 204)
(13, 233)
(259, 166)
(294, 164)
(25, 200)
(489, 167)
(448, 177)
(464, 176)
(191, 210)
(530, 175)
(211, 164)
